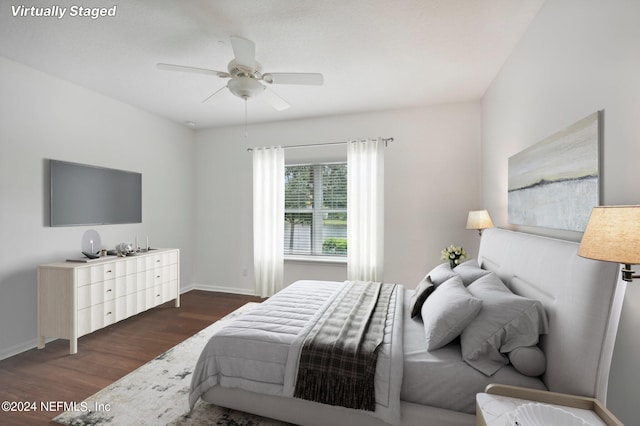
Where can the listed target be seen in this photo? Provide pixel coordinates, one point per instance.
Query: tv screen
(90, 195)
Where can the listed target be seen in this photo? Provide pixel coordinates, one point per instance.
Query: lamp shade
(613, 235)
(479, 219)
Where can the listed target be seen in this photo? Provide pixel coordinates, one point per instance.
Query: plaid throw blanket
(338, 358)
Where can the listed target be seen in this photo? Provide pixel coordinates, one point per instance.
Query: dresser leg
(73, 346)
(40, 342)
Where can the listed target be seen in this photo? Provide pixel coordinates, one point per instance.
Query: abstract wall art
(556, 182)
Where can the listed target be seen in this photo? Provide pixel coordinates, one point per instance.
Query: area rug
(157, 393)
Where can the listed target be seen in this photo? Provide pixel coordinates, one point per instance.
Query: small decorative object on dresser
(75, 299)
(123, 249)
(91, 244)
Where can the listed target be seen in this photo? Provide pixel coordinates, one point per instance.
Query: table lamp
(479, 219)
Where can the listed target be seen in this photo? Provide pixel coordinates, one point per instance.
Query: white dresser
(75, 299)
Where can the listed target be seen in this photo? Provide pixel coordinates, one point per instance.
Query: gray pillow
(469, 271)
(423, 290)
(528, 360)
(505, 322)
(447, 312)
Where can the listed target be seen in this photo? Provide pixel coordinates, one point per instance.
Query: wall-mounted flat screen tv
(89, 195)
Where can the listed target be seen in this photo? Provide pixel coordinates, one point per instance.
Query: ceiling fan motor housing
(245, 87)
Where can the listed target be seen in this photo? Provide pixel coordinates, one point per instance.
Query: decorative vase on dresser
(75, 299)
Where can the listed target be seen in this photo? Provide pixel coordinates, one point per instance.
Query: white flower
(453, 254)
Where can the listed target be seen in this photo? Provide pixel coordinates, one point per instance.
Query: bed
(581, 301)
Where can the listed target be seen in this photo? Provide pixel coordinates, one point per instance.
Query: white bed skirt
(307, 413)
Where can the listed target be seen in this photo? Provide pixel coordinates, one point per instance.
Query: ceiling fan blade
(245, 52)
(214, 93)
(309, 79)
(182, 68)
(275, 100)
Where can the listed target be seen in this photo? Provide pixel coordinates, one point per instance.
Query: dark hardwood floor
(52, 375)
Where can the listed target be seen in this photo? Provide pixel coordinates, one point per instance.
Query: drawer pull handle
(157, 276)
(108, 290)
(108, 313)
(158, 261)
(157, 295)
(109, 271)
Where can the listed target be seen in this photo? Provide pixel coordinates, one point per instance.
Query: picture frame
(556, 182)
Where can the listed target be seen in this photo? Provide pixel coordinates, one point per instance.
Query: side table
(497, 405)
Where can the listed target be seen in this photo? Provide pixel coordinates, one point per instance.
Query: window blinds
(315, 215)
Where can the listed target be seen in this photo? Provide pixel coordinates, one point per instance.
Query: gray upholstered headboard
(582, 297)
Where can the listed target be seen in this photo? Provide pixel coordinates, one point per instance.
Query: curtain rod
(385, 140)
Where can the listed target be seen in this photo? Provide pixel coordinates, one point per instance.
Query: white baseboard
(19, 348)
(221, 289)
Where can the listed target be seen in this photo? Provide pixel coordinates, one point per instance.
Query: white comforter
(259, 351)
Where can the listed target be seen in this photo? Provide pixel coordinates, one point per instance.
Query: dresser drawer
(96, 293)
(83, 276)
(161, 293)
(160, 260)
(130, 267)
(96, 317)
(106, 271)
(84, 321)
(173, 272)
(131, 285)
(103, 314)
(161, 275)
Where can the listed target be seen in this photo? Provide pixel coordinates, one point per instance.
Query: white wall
(42, 117)
(432, 172)
(578, 56)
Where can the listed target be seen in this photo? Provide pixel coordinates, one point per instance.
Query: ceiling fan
(246, 79)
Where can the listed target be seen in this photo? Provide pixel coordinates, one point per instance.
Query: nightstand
(497, 405)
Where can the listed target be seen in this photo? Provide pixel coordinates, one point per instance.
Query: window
(315, 210)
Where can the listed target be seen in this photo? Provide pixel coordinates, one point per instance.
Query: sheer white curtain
(365, 210)
(268, 219)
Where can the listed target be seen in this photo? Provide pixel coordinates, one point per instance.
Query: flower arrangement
(454, 255)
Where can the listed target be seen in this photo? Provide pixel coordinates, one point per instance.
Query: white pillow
(441, 273)
(435, 277)
(505, 322)
(469, 271)
(528, 360)
(448, 310)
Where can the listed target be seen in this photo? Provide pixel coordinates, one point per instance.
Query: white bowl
(534, 414)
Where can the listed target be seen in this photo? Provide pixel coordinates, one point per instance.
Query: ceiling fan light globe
(245, 87)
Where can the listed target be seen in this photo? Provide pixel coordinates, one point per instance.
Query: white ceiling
(374, 54)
